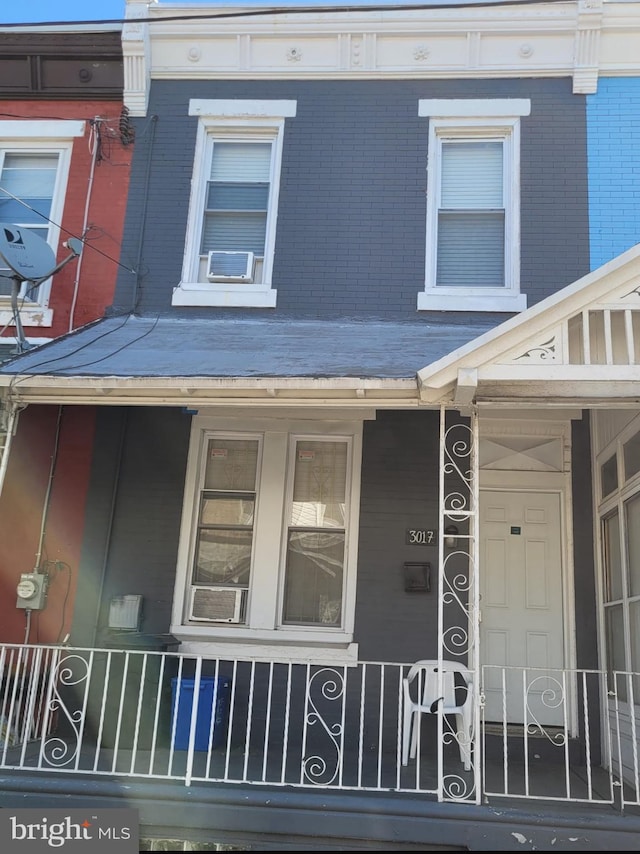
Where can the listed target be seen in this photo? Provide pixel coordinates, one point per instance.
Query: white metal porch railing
(156, 715)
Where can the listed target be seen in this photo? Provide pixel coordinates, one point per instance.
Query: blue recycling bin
(212, 690)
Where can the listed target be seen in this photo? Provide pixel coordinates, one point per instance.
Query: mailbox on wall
(417, 577)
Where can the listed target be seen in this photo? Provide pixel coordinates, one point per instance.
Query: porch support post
(458, 581)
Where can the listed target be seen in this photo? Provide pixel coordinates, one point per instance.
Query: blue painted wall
(613, 154)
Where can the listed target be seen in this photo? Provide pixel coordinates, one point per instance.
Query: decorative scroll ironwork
(326, 686)
(69, 671)
(551, 697)
(458, 579)
(459, 505)
(458, 788)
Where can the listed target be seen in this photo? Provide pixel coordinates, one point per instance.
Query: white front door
(521, 606)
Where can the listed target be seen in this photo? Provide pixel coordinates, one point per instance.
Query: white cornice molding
(583, 39)
(136, 55)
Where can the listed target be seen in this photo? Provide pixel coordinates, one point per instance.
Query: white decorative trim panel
(584, 40)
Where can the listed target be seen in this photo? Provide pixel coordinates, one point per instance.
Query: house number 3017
(421, 537)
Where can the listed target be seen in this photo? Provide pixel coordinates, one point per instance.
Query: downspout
(143, 218)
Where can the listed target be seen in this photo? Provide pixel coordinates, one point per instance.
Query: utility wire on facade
(297, 10)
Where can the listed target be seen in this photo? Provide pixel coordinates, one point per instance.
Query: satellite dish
(26, 254)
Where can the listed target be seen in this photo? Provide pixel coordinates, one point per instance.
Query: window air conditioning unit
(218, 604)
(230, 266)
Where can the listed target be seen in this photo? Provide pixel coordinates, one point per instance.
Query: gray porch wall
(133, 517)
(137, 545)
(399, 490)
(352, 211)
(583, 545)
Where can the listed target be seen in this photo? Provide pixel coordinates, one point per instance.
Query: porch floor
(537, 778)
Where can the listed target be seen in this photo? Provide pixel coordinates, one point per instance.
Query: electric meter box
(32, 591)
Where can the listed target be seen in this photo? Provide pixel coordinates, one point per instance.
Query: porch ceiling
(580, 344)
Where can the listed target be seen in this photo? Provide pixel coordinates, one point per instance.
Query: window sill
(245, 296)
(36, 316)
(253, 645)
(462, 300)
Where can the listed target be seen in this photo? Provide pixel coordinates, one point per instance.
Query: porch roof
(151, 356)
(580, 344)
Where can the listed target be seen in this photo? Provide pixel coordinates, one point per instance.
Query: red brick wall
(108, 198)
(23, 497)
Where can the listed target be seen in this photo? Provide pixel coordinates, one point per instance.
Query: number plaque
(421, 537)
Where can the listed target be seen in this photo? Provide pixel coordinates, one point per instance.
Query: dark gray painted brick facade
(351, 222)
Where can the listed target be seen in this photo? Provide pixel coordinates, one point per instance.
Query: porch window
(268, 541)
(316, 534)
(609, 476)
(227, 508)
(631, 452)
(620, 538)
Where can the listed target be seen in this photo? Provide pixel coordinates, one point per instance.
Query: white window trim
(263, 629)
(56, 137)
(239, 119)
(475, 119)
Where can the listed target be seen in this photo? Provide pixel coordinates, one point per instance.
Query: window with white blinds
(473, 205)
(471, 215)
(237, 198)
(231, 229)
(27, 189)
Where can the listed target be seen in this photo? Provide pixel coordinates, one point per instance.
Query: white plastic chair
(422, 680)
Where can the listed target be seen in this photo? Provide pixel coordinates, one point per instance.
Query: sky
(35, 11)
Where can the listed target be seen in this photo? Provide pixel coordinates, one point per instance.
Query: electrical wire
(47, 497)
(295, 10)
(16, 380)
(49, 567)
(113, 352)
(66, 230)
(94, 150)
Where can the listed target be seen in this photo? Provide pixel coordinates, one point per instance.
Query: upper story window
(34, 167)
(268, 545)
(473, 205)
(234, 203)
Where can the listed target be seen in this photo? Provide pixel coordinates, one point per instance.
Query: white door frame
(558, 482)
